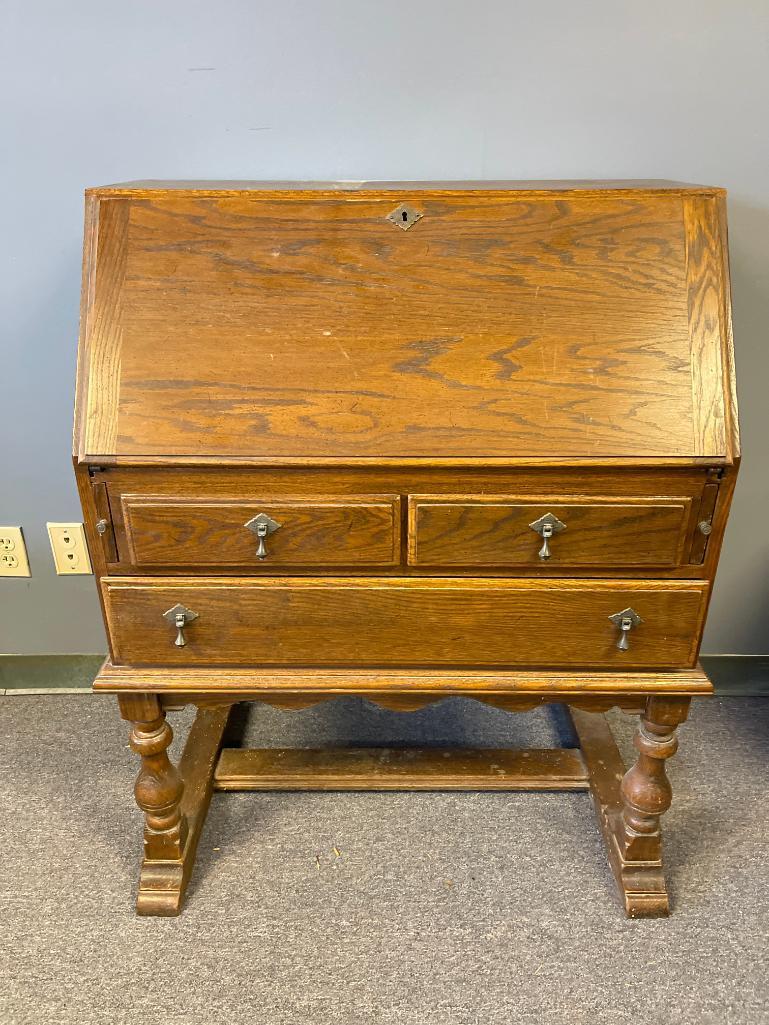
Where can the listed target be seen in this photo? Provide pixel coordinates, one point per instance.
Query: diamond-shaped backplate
(549, 519)
(405, 216)
(180, 610)
(262, 519)
(628, 613)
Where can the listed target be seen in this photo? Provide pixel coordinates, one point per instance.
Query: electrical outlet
(13, 553)
(70, 551)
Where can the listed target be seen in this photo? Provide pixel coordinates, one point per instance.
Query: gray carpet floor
(438, 909)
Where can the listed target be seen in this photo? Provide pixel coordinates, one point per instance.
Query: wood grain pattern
(102, 339)
(415, 700)
(321, 481)
(91, 515)
(525, 347)
(159, 786)
(87, 289)
(731, 411)
(404, 622)
(289, 189)
(646, 791)
(637, 866)
(705, 514)
(166, 531)
(104, 513)
(507, 325)
(304, 378)
(255, 682)
(496, 531)
(284, 484)
(400, 769)
(165, 874)
(705, 276)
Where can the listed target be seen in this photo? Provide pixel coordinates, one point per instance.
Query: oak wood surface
(99, 363)
(163, 879)
(381, 478)
(400, 769)
(496, 531)
(260, 683)
(706, 285)
(415, 700)
(508, 324)
(634, 850)
(214, 486)
(731, 410)
(286, 188)
(166, 531)
(393, 398)
(404, 622)
(640, 881)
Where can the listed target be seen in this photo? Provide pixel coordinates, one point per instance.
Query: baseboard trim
(738, 675)
(48, 674)
(732, 675)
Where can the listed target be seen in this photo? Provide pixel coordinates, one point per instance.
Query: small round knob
(704, 527)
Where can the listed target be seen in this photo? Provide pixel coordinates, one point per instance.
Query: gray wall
(99, 92)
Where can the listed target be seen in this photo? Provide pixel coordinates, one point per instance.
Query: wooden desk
(405, 441)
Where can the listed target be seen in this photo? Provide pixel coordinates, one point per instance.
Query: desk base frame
(628, 803)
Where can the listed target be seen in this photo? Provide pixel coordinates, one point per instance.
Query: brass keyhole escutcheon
(404, 216)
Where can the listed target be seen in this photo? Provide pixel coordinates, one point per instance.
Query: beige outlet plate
(70, 551)
(13, 553)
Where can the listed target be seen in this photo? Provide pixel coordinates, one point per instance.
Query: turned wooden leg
(646, 792)
(644, 795)
(159, 787)
(174, 803)
(629, 804)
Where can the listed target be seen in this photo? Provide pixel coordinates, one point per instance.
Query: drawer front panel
(349, 531)
(403, 621)
(599, 532)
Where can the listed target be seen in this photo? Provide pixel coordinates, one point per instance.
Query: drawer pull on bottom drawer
(262, 525)
(625, 620)
(179, 616)
(547, 526)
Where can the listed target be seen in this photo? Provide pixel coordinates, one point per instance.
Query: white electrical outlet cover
(70, 551)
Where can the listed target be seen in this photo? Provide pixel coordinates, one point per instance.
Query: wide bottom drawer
(403, 622)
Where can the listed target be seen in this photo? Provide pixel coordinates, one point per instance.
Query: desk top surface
(226, 188)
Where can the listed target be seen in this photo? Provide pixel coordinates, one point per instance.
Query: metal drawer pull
(179, 616)
(625, 620)
(262, 526)
(547, 526)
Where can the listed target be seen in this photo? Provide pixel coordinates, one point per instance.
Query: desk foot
(174, 801)
(629, 804)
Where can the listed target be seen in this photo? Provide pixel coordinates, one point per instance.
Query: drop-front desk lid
(479, 321)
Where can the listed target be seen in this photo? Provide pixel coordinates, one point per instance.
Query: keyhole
(403, 216)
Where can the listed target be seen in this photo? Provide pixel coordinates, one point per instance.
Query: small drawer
(403, 622)
(349, 531)
(585, 531)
